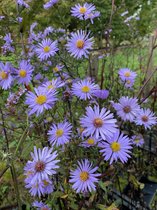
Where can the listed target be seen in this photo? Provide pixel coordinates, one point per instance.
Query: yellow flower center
(56, 69)
(83, 10)
(85, 89)
(3, 75)
(45, 183)
(115, 146)
(90, 141)
(50, 87)
(136, 140)
(80, 44)
(84, 176)
(127, 74)
(22, 73)
(46, 49)
(41, 99)
(98, 122)
(59, 132)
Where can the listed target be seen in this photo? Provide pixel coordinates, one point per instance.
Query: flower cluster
(39, 170)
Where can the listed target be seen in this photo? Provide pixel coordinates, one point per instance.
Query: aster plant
(39, 170)
(63, 94)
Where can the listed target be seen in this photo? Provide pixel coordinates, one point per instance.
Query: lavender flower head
(57, 68)
(84, 89)
(127, 108)
(7, 47)
(60, 134)
(24, 73)
(138, 140)
(126, 74)
(117, 147)
(90, 142)
(40, 205)
(82, 11)
(84, 177)
(44, 163)
(39, 187)
(146, 118)
(46, 49)
(39, 170)
(79, 44)
(91, 16)
(53, 84)
(102, 94)
(22, 3)
(98, 122)
(5, 75)
(129, 83)
(40, 100)
(50, 4)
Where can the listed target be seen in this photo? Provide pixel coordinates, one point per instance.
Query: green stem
(13, 173)
(21, 140)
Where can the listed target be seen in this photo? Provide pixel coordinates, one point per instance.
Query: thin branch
(141, 90)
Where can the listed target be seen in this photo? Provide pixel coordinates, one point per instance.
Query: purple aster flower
(80, 11)
(24, 73)
(126, 74)
(46, 49)
(39, 187)
(40, 100)
(5, 75)
(117, 147)
(48, 31)
(22, 3)
(79, 44)
(127, 108)
(50, 4)
(42, 166)
(40, 205)
(92, 15)
(38, 77)
(60, 133)
(54, 84)
(2, 17)
(129, 83)
(98, 122)
(7, 46)
(146, 118)
(57, 68)
(84, 89)
(19, 19)
(137, 140)
(84, 177)
(8, 39)
(102, 94)
(90, 142)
